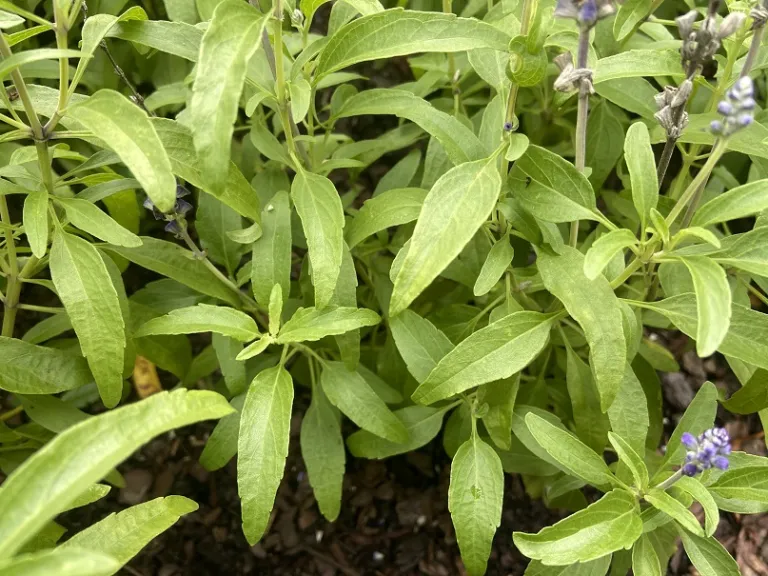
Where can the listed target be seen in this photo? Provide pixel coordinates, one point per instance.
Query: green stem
(628, 271)
(698, 182)
(582, 115)
(13, 292)
(62, 29)
(671, 480)
(21, 89)
(5, 416)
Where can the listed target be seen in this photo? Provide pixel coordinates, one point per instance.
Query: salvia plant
(472, 218)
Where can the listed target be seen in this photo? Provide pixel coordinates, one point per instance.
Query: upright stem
(525, 24)
(697, 185)
(21, 89)
(447, 9)
(13, 291)
(62, 30)
(582, 116)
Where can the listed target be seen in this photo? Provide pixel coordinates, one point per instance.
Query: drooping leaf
(36, 221)
(29, 369)
(645, 560)
(59, 561)
(90, 299)
(708, 555)
(752, 397)
(591, 424)
(475, 498)
(271, 254)
(595, 307)
(420, 344)
(642, 170)
(322, 448)
(631, 459)
(674, 509)
(86, 216)
(41, 487)
(263, 447)
(123, 535)
(126, 129)
(391, 208)
(351, 394)
(456, 206)
(751, 198)
(499, 258)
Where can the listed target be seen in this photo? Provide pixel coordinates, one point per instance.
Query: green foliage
(486, 260)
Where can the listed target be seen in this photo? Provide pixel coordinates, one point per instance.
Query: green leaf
(238, 194)
(636, 63)
(713, 303)
(570, 452)
(605, 135)
(203, 318)
(455, 208)
(271, 255)
(597, 567)
(749, 484)
(255, 348)
(610, 524)
(351, 394)
(459, 142)
(322, 218)
(90, 299)
(86, 216)
(739, 202)
(629, 16)
(675, 509)
(499, 258)
(398, 32)
(175, 262)
(391, 208)
(475, 497)
(631, 459)
(311, 324)
(177, 38)
(124, 534)
(36, 221)
(322, 448)
(222, 443)
(500, 397)
(699, 416)
(747, 337)
(214, 221)
(595, 307)
(420, 344)
(300, 92)
(642, 170)
(697, 490)
(262, 447)
(628, 414)
(126, 129)
(604, 249)
(492, 353)
(551, 188)
(42, 487)
(230, 40)
(60, 561)
(752, 397)
(345, 294)
(29, 369)
(423, 424)
(708, 556)
(645, 560)
(13, 62)
(591, 424)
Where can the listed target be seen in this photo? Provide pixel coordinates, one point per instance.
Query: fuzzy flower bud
(737, 108)
(710, 449)
(730, 24)
(571, 78)
(585, 12)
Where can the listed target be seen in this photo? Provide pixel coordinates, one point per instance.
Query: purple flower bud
(744, 87)
(710, 449)
(173, 227)
(724, 107)
(588, 12)
(748, 104)
(181, 191)
(745, 119)
(716, 126)
(507, 126)
(182, 207)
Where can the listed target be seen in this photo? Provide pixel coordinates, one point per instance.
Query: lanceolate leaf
(203, 318)
(475, 497)
(708, 556)
(459, 142)
(127, 130)
(124, 534)
(391, 208)
(322, 218)
(60, 561)
(456, 206)
(41, 487)
(642, 170)
(310, 324)
(499, 258)
(604, 249)
(230, 40)
(751, 198)
(36, 221)
(713, 303)
(263, 446)
(351, 394)
(492, 353)
(610, 524)
(322, 448)
(29, 369)
(675, 509)
(271, 254)
(595, 307)
(86, 216)
(397, 32)
(85, 287)
(420, 344)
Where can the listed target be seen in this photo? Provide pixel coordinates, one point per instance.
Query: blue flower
(710, 449)
(737, 108)
(180, 208)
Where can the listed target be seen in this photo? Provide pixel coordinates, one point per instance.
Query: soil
(394, 518)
